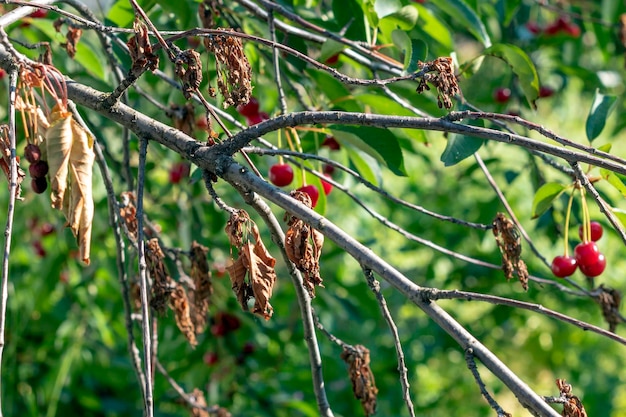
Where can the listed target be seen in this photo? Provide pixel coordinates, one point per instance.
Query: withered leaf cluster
(234, 73)
(188, 67)
(363, 384)
(202, 410)
(141, 50)
(510, 244)
(573, 407)
(72, 37)
(69, 149)
(439, 73)
(304, 245)
(201, 276)
(128, 213)
(610, 300)
(190, 303)
(162, 285)
(5, 160)
(252, 274)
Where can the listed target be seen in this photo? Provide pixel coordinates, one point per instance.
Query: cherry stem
(567, 215)
(586, 221)
(280, 146)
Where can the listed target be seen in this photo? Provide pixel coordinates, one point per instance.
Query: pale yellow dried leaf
(58, 146)
(260, 249)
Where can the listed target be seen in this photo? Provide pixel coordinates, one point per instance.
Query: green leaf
(544, 197)
(122, 13)
(92, 62)
(365, 165)
(434, 28)
(464, 15)
(385, 8)
(521, 65)
(606, 147)
(460, 147)
(404, 19)
(330, 48)
(413, 49)
(600, 110)
(377, 142)
(620, 214)
(614, 180)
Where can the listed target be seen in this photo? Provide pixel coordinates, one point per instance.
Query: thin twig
(509, 209)
(404, 378)
(120, 259)
(8, 231)
(275, 61)
(143, 282)
(436, 294)
(471, 365)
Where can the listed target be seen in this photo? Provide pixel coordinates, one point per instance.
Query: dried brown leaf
(140, 50)
(5, 160)
(303, 245)
(184, 118)
(259, 248)
(207, 11)
(573, 407)
(162, 284)
(188, 67)
(203, 288)
(439, 73)
(610, 300)
(237, 273)
(180, 304)
(128, 213)
(361, 376)
(197, 396)
(510, 244)
(263, 278)
(235, 227)
(234, 73)
(73, 36)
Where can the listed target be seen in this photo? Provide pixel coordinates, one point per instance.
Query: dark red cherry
(312, 191)
(281, 174)
(594, 269)
(563, 266)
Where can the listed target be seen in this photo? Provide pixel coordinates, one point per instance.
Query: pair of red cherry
(281, 175)
(587, 256)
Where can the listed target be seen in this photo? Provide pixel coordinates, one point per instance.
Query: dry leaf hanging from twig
(304, 245)
(361, 376)
(253, 261)
(180, 304)
(201, 276)
(70, 159)
(510, 244)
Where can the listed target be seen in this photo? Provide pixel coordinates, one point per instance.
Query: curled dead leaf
(180, 304)
(203, 288)
(128, 213)
(189, 70)
(361, 376)
(162, 284)
(58, 140)
(303, 245)
(572, 407)
(510, 244)
(5, 160)
(140, 50)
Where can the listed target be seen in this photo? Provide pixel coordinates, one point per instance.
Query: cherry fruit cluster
(38, 168)
(587, 255)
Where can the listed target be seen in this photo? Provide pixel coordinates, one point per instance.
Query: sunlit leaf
(544, 197)
(615, 180)
(466, 17)
(460, 147)
(600, 110)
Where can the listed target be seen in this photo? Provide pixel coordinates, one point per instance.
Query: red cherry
(595, 269)
(502, 94)
(202, 123)
(331, 143)
(332, 60)
(596, 231)
(257, 118)
(39, 250)
(178, 171)
(312, 191)
(328, 187)
(39, 185)
(46, 229)
(32, 153)
(545, 92)
(563, 266)
(193, 42)
(248, 348)
(533, 27)
(328, 169)
(39, 13)
(586, 253)
(573, 30)
(251, 108)
(281, 174)
(211, 358)
(38, 169)
(2, 73)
